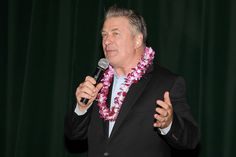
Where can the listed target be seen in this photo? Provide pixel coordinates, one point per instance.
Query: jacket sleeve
(75, 126)
(184, 132)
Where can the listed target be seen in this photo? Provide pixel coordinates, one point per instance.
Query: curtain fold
(48, 47)
(218, 77)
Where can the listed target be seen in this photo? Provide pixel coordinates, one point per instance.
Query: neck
(124, 70)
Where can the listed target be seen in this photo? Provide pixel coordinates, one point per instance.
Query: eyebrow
(114, 29)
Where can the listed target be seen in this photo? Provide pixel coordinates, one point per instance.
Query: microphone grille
(103, 63)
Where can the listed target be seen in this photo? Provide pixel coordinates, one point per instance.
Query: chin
(113, 59)
(110, 58)
(112, 62)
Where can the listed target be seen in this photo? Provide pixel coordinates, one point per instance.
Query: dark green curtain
(47, 47)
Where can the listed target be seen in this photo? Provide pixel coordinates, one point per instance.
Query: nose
(107, 40)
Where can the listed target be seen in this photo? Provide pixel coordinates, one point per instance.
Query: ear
(138, 40)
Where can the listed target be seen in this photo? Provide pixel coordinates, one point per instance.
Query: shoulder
(163, 73)
(164, 77)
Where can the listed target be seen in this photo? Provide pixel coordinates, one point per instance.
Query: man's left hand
(164, 112)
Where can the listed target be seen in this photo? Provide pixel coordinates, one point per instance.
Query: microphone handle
(84, 100)
(97, 76)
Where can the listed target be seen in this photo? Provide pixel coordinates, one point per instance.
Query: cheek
(128, 43)
(125, 44)
(128, 47)
(103, 46)
(103, 43)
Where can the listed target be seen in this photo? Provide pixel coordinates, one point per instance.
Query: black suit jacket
(133, 134)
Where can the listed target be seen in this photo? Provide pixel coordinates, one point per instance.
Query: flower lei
(133, 77)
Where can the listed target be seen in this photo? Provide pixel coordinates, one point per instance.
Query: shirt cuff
(165, 131)
(78, 111)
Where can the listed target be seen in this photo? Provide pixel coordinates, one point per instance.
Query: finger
(83, 107)
(88, 90)
(89, 85)
(84, 92)
(159, 124)
(90, 79)
(162, 104)
(85, 95)
(162, 112)
(99, 86)
(88, 93)
(159, 118)
(167, 98)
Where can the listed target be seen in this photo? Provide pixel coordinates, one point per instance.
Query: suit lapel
(133, 94)
(106, 123)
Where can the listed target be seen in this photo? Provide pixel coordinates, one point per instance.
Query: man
(138, 109)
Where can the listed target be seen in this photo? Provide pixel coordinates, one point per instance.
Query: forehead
(114, 23)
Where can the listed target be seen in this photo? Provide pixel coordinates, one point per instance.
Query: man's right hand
(87, 90)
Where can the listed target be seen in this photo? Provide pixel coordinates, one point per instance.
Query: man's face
(118, 41)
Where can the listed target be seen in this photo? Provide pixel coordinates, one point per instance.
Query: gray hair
(134, 18)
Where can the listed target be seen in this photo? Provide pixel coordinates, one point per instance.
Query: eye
(115, 33)
(104, 35)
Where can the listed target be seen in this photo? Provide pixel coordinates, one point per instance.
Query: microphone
(102, 65)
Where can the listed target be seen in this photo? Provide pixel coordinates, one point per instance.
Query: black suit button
(106, 154)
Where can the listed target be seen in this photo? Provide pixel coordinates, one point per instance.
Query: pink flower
(133, 77)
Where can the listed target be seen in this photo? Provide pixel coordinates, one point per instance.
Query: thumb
(99, 86)
(167, 98)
